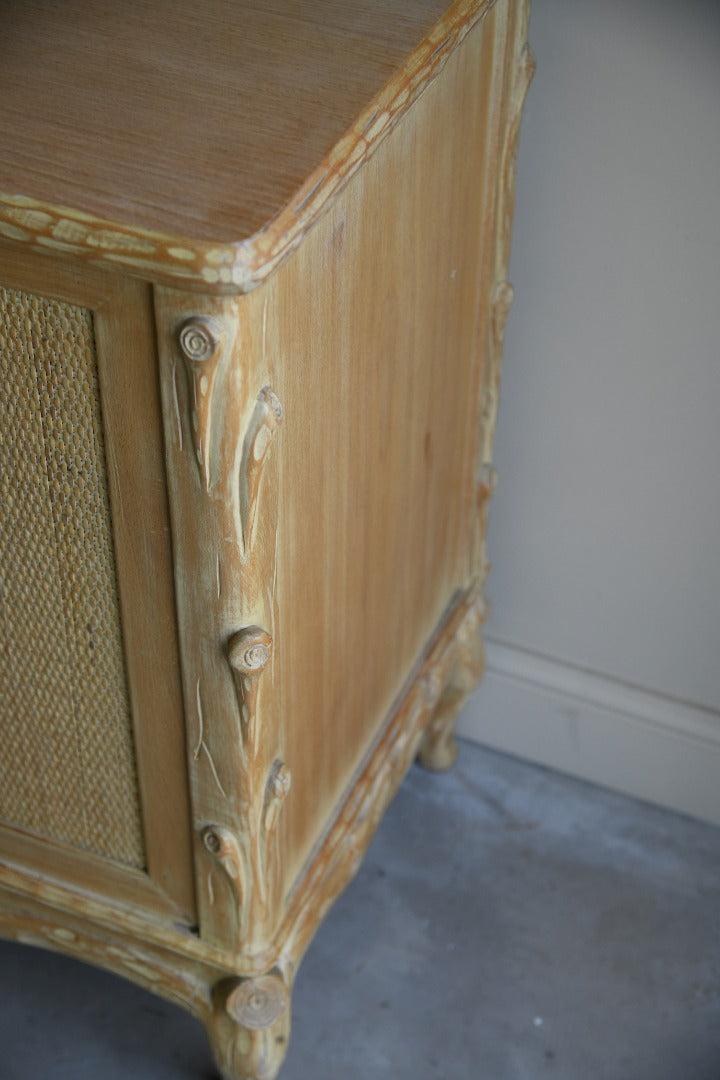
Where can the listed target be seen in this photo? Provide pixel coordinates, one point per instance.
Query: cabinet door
(93, 787)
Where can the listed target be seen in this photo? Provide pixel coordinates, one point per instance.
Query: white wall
(605, 528)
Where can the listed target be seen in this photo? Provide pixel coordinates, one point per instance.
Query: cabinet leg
(438, 749)
(249, 1028)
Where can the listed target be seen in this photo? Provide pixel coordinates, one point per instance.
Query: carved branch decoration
(501, 297)
(266, 418)
(223, 845)
(248, 653)
(276, 791)
(523, 77)
(277, 787)
(486, 481)
(500, 304)
(264, 793)
(200, 340)
(477, 614)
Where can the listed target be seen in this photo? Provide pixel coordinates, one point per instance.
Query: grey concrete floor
(508, 923)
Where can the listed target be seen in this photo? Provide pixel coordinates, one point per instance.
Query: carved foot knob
(249, 1029)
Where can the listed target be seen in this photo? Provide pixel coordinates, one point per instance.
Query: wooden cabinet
(252, 297)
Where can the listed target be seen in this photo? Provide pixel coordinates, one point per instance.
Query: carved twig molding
(266, 418)
(200, 340)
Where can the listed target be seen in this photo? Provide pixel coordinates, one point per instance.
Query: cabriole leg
(438, 749)
(249, 1028)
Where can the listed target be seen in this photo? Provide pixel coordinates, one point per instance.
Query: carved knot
(258, 1003)
(249, 650)
(431, 688)
(212, 841)
(199, 338)
(487, 480)
(256, 657)
(476, 615)
(502, 298)
(272, 402)
(279, 781)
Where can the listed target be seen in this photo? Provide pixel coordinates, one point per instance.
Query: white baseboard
(623, 737)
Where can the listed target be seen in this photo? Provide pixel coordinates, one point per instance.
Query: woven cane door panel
(67, 765)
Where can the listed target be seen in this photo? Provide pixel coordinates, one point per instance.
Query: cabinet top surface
(206, 125)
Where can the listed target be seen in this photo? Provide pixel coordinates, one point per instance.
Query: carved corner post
(220, 419)
(518, 76)
(439, 749)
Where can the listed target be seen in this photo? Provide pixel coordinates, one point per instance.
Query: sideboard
(253, 288)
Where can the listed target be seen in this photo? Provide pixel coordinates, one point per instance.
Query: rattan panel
(67, 766)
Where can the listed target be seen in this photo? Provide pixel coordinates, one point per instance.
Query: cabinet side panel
(68, 767)
(371, 335)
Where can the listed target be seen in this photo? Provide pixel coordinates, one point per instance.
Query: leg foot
(249, 1028)
(438, 749)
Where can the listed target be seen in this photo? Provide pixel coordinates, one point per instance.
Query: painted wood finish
(327, 440)
(213, 197)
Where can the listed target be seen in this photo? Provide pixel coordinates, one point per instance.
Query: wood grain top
(199, 140)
